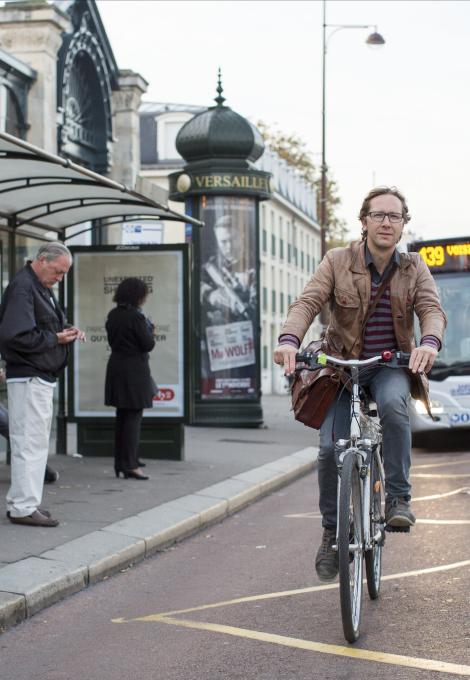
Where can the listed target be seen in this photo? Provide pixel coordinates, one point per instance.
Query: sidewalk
(107, 524)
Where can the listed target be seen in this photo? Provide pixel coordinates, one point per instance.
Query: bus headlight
(436, 408)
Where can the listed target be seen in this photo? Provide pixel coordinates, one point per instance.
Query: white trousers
(30, 418)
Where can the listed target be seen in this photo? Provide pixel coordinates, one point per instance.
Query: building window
(265, 241)
(281, 301)
(289, 253)
(281, 249)
(273, 301)
(302, 260)
(265, 298)
(273, 245)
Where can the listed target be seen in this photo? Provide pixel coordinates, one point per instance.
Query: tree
(294, 151)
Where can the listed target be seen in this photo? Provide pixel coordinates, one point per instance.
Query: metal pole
(323, 194)
(61, 420)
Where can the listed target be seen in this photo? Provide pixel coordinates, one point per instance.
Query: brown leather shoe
(36, 519)
(43, 511)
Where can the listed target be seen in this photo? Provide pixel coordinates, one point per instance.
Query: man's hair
(380, 191)
(51, 251)
(131, 291)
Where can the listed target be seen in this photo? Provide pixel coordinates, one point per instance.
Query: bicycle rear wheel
(373, 557)
(350, 546)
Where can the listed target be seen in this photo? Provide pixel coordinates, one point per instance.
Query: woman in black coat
(129, 386)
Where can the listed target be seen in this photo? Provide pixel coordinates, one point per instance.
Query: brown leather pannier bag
(314, 391)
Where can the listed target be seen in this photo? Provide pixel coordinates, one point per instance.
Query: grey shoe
(398, 513)
(36, 519)
(326, 562)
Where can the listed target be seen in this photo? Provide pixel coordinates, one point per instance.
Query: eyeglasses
(379, 217)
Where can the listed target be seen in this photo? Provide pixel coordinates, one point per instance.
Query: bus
(449, 379)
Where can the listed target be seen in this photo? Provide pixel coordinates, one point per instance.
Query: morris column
(221, 187)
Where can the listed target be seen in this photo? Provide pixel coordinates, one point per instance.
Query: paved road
(244, 601)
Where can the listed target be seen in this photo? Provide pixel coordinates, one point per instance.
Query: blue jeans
(390, 389)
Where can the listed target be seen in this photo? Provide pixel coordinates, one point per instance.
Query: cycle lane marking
(290, 593)
(325, 648)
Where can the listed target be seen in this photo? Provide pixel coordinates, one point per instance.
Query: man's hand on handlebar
(422, 359)
(284, 355)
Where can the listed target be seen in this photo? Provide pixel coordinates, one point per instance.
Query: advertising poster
(96, 275)
(228, 297)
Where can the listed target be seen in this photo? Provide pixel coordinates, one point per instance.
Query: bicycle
(360, 529)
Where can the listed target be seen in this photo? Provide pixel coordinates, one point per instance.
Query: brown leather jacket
(342, 281)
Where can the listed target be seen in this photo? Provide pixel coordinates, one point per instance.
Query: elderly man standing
(34, 344)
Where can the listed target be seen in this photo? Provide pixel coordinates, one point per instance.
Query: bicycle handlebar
(314, 360)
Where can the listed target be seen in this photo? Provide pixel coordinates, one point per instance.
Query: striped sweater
(379, 333)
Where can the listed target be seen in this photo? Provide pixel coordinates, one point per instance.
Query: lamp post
(374, 40)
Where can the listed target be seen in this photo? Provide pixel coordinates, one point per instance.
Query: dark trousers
(127, 437)
(390, 389)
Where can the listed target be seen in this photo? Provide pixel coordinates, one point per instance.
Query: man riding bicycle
(348, 280)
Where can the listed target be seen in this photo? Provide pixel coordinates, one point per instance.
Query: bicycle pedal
(402, 530)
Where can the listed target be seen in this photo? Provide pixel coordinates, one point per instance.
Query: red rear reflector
(386, 355)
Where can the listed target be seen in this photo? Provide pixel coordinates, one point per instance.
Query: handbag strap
(371, 310)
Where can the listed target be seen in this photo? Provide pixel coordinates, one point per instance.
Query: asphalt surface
(241, 600)
(108, 524)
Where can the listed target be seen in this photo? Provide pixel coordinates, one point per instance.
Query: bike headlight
(436, 408)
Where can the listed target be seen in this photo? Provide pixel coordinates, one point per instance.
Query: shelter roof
(51, 193)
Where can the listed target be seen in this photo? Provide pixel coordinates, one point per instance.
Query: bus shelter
(46, 197)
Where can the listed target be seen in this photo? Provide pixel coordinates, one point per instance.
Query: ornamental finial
(220, 100)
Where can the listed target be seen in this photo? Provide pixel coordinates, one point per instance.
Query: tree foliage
(293, 150)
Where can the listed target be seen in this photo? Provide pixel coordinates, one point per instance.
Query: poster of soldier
(228, 299)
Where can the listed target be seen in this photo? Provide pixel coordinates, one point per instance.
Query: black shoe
(130, 474)
(141, 463)
(398, 513)
(326, 562)
(50, 475)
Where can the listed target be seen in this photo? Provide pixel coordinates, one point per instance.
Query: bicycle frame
(363, 448)
(359, 508)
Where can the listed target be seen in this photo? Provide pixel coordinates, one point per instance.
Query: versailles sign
(250, 182)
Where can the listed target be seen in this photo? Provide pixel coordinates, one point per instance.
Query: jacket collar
(359, 263)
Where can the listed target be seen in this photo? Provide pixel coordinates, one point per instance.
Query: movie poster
(96, 275)
(229, 298)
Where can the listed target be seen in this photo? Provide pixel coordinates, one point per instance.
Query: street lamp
(373, 40)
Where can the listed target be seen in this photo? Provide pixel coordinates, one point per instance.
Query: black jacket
(29, 322)
(128, 380)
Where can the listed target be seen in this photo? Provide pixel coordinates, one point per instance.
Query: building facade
(289, 233)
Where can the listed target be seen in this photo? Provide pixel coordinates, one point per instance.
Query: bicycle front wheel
(350, 547)
(373, 557)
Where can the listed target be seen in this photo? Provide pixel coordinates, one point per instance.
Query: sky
(395, 115)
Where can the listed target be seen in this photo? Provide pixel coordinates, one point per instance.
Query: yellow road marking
(298, 591)
(338, 650)
(296, 643)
